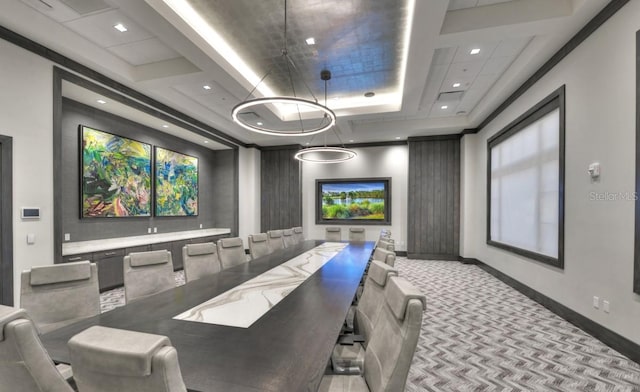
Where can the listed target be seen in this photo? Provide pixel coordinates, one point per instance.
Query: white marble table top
(74, 248)
(245, 304)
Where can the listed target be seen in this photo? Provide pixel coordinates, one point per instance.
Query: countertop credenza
(108, 254)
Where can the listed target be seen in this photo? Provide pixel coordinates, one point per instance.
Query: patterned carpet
(481, 335)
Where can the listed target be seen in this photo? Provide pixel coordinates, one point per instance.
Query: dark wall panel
(217, 197)
(434, 198)
(280, 189)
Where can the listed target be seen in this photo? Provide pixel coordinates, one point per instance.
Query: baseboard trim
(468, 260)
(401, 253)
(617, 342)
(432, 256)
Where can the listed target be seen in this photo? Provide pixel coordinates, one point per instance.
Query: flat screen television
(354, 201)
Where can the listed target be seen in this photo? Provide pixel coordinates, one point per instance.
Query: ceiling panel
(99, 29)
(147, 51)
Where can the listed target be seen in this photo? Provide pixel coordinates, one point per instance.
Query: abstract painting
(176, 183)
(116, 175)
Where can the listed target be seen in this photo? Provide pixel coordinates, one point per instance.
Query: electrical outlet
(596, 302)
(155, 229)
(201, 225)
(605, 306)
(149, 230)
(67, 236)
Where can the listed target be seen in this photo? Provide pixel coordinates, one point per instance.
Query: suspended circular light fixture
(328, 116)
(326, 154)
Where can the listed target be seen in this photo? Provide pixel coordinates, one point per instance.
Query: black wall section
(434, 198)
(280, 189)
(216, 178)
(6, 220)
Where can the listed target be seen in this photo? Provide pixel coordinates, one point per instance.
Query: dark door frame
(6, 220)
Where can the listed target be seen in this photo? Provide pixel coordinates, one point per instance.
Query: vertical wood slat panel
(280, 190)
(434, 198)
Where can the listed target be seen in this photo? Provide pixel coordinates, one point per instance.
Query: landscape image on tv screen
(356, 200)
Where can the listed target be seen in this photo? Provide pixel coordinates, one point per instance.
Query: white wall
(26, 107)
(600, 127)
(390, 161)
(249, 193)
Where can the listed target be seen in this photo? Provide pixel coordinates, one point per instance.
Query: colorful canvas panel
(176, 183)
(116, 175)
(353, 201)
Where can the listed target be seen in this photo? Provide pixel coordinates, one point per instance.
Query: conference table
(287, 349)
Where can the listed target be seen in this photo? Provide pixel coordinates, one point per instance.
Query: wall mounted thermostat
(30, 213)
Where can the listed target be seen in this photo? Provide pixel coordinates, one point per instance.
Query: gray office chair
(333, 234)
(385, 233)
(385, 256)
(356, 234)
(387, 244)
(231, 252)
(200, 260)
(392, 344)
(116, 360)
(60, 294)
(25, 365)
(288, 238)
(258, 245)
(275, 240)
(350, 354)
(147, 273)
(297, 232)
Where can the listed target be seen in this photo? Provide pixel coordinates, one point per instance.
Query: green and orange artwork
(176, 183)
(116, 175)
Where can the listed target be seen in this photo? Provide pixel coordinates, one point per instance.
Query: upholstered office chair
(392, 344)
(231, 252)
(116, 360)
(350, 354)
(147, 273)
(25, 365)
(258, 245)
(387, 244)
(288, 238)
(333, 234)
(356, 234)
(385, 256)
(385, 233)
(297, 232)
(60, 294)
(200, 260)
(275, 240)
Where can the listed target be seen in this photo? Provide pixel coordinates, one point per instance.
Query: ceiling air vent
(449, 96)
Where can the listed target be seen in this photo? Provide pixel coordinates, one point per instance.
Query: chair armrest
(349, 340)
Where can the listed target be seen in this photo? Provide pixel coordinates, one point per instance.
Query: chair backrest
(115, 360)
(200, 260)
(288, 238)
(333, 234)
(394, 338)
(60, 294)
(297, 232)
(147, 273)
(372, 299)
(275, 239)
(385, 256)
(356, 234)
(231, 252)
(387, 244)
(258, 245)
(385, 233)
(24, 364)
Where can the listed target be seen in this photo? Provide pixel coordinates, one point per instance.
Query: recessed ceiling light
(206, 141)
(444, 107)
(206, 87)
(369, 94)
(475, 51)
(101, 101)
(310, 41)
(456, 85)
(165, 126)
(259, 123)
(351, 141)
(307, 143)
(120, 27)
